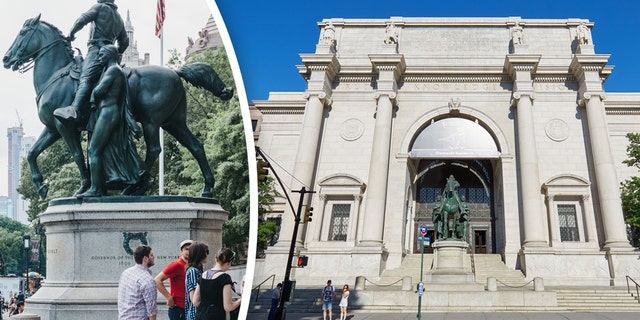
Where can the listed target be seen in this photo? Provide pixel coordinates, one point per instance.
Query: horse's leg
(152, 140)
(45, 140)
(445, 223)
(189, 141)
(71, 136)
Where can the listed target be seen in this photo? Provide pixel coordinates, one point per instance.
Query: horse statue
(156, 95)
(450, 213)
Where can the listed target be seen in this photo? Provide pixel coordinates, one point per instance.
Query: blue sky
(268, 36)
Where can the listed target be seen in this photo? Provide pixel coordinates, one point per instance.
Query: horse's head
(25, 45)
(34, 38)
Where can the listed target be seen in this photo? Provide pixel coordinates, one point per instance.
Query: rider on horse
(107, 27)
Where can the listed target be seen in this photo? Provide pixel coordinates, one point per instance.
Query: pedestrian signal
(302, 261)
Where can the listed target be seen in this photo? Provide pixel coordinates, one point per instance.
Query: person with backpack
(327, 298)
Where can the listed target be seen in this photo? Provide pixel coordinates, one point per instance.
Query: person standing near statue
(176, 274)
(137, 292)
(113, 158)
(107, 28)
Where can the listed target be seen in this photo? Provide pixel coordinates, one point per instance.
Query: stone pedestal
(451, 263)
(90, 243)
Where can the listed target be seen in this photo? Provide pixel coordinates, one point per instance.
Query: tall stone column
(521, 66)
(321, 70)
(389, 67)
(587, 70)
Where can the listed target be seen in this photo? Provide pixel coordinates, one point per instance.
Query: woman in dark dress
(214, 295)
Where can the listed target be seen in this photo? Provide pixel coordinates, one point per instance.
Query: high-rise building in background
(19, 145)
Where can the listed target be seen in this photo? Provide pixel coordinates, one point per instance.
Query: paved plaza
(467, 316)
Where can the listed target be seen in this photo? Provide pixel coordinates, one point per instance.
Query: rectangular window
(339, 221)
(568, 222)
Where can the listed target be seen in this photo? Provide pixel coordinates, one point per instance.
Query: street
(466, 316)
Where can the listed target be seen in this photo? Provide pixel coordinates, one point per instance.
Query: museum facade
(513, 108)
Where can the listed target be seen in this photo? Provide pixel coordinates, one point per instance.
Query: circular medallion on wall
(557, 130)
(352, 129)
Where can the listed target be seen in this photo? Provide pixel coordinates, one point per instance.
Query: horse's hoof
(80, 191)
(42, 191)
(207, 194)
(89, 194)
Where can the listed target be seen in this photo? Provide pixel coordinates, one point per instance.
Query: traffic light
(302, 261)
(308, 212)
(263, 171)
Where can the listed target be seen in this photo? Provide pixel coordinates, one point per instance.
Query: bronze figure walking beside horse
(156, 95)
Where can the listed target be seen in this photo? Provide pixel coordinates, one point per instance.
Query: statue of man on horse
(450, 213)
(155, 94)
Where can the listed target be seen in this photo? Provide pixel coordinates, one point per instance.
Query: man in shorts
(327, 298)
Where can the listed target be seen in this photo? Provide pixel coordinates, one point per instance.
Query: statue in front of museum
(451, 213)
(156, 96)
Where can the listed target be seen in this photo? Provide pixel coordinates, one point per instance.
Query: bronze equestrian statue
(451, 213)
(156, 95)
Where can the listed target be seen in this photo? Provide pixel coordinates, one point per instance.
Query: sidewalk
(465, 316)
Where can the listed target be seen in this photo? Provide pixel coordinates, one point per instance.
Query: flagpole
(160, 33)
(161, 164)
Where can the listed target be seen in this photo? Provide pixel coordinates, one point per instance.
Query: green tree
(11, 245)
(266, 229)
(630, 190)
(218, 125)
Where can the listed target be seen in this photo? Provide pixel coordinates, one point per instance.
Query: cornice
(282, 109)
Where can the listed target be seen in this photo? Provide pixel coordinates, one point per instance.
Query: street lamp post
(27, 249)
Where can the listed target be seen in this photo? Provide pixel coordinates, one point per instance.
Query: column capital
(519, 95)
(584, 97)
(321, 95)
(391, 94)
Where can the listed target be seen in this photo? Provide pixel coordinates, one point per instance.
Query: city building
(208, 39)
(513, 108)
(131, 56)
(19, 146)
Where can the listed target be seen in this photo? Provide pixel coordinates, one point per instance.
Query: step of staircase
(604, 299)
(491, 266)
(486, 265)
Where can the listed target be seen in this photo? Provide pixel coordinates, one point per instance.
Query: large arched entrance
(465, 149)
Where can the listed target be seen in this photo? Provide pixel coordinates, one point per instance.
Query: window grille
(339, 221)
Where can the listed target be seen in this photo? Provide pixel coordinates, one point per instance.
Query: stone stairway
(491, 265)
(596, 299)
(486, 265)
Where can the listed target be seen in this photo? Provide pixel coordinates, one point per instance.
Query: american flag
(159, 17)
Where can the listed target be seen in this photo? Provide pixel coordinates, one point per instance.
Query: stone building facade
(514, 108)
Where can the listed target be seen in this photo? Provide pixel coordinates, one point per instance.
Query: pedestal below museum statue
(451, 263)
(90, 243)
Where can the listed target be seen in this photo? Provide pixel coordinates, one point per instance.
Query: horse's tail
(203, 76)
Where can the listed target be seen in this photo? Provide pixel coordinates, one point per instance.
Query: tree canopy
(630, 190)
